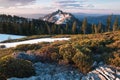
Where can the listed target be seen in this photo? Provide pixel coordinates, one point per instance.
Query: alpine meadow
(59, 40)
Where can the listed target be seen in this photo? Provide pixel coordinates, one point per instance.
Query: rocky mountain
(60, 17)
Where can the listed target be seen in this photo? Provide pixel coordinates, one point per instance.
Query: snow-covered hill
(59, 17)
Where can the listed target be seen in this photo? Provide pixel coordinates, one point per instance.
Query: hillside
(93, 52)
(22, 26)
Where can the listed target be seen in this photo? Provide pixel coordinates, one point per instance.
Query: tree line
(23, 26)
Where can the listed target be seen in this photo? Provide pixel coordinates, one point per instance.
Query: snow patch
(14, 44)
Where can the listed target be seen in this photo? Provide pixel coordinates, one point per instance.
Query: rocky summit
(60, 17)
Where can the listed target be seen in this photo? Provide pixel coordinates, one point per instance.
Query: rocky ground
(103, 73)
(47, 71)
(53, 71)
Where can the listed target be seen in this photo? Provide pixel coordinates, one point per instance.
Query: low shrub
(48, 53)
(67, 51)
(114, 59)
(6, 52)
(11, 67)
(2, 77)
(55, 56)
(25, 47)
(83, 62)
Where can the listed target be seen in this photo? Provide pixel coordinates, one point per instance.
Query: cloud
(67, 1)
(90, 6)
(11, 3)
(75, 4)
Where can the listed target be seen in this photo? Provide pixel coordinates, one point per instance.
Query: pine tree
(84, 26)
(48, 28)
(96, 29)
(61, 31)
(1, 27)
(99, 27)
(58, 29)
(66, 29)
(92, 27)
(108, 23)
(53, 30)
(74, 28)
(115, 25)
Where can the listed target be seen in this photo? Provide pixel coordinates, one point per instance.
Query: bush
(11, 67)
(6, 52)
(114, 59)
(67, 51)
(48, 53)
(2, 77)
(83, 62)
(25, 47)
(83, 49)
(55, 56)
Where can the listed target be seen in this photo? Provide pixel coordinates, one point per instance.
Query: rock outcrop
(103, 73)
(25, 56)
(47, 71)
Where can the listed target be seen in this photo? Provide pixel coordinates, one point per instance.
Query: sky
(48, 6)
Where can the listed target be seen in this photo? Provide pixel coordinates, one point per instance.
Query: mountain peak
(59, 17)
(59, 10)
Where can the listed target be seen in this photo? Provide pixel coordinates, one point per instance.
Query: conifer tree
(66, 29)
(96, 29)
(99, 27)
(61, 31)
(74, 27)
(48, 28)
(84, 26)
(53, 30)
(108, 23)
(115, 25)
(92, 27)
(1, 28)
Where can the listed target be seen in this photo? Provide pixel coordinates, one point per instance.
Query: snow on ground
(14, 44)
(7, 36)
